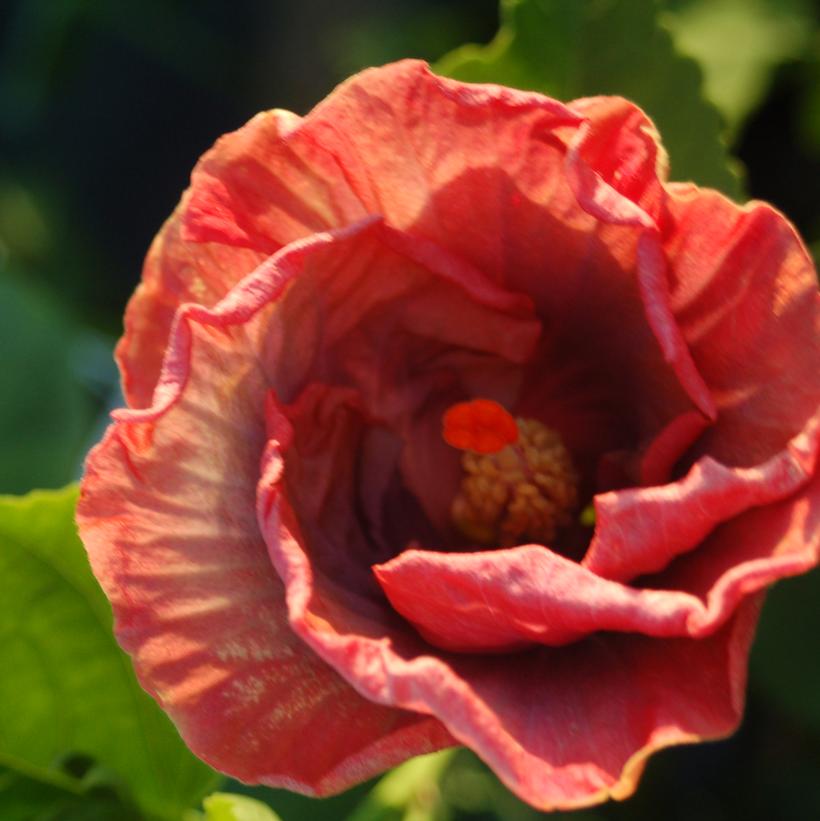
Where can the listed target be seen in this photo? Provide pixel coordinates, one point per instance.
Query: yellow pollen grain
(522, 493)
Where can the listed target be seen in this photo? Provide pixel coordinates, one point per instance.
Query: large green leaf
(66, 687)
(568, 49)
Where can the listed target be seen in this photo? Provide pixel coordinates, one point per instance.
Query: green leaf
(222, 806)
(409, 793)
(293, 805)
(763, 34)
(570, 49)
(87, 799)
(471, 790)
(66, 686)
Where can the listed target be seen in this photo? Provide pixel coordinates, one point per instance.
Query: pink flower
(381, 362)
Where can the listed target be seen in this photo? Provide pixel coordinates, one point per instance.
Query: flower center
(519, 480)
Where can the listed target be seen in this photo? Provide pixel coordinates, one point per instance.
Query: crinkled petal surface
(524, 188)
(538, 717)
(641, 530)
(168, 517)
(271, 517)
(744, 293)
(256, 190)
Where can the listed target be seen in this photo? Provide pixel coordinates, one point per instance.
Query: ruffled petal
(641, 530)
(624, 148)
(504, 599)
(404, 136)
(602, 193)
(256, 190)
(751, 551)
(744, 293)
(411, 329)
(266, 185)
(499, 600)
(175, 272)
(527, 197)
(525, 189)
(538, 719)
(167, 515)
(574, 726)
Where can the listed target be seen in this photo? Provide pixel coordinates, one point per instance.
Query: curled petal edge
(641, 530)
(428, 684)
(507, 599)
(601, 200)
(269, 280)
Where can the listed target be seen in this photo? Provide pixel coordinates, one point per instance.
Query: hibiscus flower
(451, 421)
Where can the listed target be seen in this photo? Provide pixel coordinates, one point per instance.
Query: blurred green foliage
(570, 50)
(67, 688)
(229, 807)
(44, 412)
(410, 793)
(738, 44)
(103, 110)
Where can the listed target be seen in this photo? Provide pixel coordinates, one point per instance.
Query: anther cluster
(522, 493)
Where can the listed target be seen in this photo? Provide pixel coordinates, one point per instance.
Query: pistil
(519, 482)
